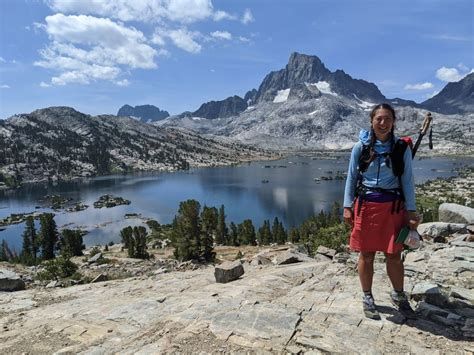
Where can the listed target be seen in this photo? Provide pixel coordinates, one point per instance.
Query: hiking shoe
(369, 307)
(400, 300)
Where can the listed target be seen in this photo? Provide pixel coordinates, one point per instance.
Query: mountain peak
(304, 68)
(456, 97)
(146, 113)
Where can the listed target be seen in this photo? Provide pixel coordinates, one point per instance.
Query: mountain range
(60, 143)
(144, 113)
(306, 106)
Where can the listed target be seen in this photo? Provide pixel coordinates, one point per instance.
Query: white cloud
(244, 39)
(44, 85)
(188, 11)
(222, 15)
(158, 39)
(447, 37)
(462, 67)
(247, 17)
(184, 39)
(4, 86)
(163, 52)
(86, 48)
(420, 86)
(185, 11)
(452, 74)
(123, 82)
(2, 60)
(221, 35)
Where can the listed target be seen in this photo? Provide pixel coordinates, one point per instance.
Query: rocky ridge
(59, 143)
(145, 113)
(455, 98)
(307, 107)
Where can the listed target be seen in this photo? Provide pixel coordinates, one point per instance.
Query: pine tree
(48, 236)
(126, 235)
(294, 235)
(265, 234)
(29, 248)
(139, 249)
(222, 230)
(71, 242)
(278, 231)
(208, 228)
(335, 216)
(246, 232)
(5, 252)
(234, 235)
(188, 239)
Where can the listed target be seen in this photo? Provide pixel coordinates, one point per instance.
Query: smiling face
(382, 123)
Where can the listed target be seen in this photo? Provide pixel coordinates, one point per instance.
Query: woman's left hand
(413, 220)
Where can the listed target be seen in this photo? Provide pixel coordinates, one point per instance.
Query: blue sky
(96, 55)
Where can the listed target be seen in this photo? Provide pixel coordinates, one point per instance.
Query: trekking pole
(423, 130)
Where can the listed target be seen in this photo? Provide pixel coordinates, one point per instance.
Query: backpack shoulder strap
(398, 165)
(364, 158)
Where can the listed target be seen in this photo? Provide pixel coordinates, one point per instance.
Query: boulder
(326, 251)
(440, 229)
(10, 281)
(260, 260)
(95, 258)
(228, 271)
(429, 292)
(454, 213)
(290, 257)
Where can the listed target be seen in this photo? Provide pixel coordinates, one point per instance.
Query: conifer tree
(71, 242)
(188, 239)
(126, 235)
(208, 228)
(335, 217)
(48, 236)
(5, 253)
(294, 235)
(265, 233)
(234, 235)
(278, 232)
(29, 248)
(222, 230)
(139, 249)
(246, 232)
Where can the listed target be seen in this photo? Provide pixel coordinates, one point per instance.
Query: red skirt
(376, 226)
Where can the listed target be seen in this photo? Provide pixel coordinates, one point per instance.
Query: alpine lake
(292, 189)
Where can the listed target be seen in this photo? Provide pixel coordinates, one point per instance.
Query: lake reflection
(259, 190)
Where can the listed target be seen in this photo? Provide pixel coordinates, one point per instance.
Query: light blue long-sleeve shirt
(378, 174)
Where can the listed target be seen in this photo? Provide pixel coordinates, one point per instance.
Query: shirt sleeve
(408, 181)
(352, 175)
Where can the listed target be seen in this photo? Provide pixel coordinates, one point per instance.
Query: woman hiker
(378, 203)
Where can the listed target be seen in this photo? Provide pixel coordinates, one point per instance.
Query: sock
(368, 293)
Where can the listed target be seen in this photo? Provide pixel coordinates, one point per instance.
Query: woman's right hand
(348, 216)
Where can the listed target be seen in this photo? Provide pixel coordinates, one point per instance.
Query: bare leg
(365, 267)
(395, 270)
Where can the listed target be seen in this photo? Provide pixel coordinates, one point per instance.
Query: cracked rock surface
(301, 307)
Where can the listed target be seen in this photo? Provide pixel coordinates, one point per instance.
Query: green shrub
(60, 267)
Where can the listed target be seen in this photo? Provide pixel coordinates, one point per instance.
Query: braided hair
(373, 138)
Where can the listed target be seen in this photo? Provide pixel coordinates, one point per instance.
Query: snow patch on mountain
(367, 106)
(324, 87)
(281, 96)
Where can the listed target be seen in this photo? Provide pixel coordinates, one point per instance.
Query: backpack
(396, 158)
